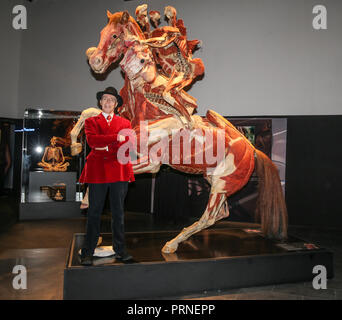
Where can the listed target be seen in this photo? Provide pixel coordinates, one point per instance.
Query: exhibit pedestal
(63, 180)
(210, 260)
(51, 195)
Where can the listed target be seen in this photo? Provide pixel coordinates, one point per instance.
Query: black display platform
(210, 260)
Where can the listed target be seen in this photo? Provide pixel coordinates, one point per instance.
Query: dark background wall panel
(314, 170)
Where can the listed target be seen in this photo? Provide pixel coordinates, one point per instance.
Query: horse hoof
(84, 206)
(76, 148)
(169, 248)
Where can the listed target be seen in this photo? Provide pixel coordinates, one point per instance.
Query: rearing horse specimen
(145, 102)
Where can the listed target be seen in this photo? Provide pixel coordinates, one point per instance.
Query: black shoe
(86, 260)
(123, 256)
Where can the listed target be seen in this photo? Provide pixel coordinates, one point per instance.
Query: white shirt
(108, 114)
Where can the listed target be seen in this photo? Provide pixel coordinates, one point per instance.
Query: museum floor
(42, 246)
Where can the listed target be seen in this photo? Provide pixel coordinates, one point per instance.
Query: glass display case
(49, 172)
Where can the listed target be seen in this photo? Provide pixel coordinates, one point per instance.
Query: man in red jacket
(103, 172)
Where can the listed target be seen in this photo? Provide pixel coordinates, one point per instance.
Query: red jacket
(102, 166)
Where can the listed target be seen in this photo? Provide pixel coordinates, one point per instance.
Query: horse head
(120, 28)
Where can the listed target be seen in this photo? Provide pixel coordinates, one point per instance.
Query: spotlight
(39, 149)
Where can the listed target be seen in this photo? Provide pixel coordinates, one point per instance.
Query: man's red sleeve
(98, 140)
(130, 136)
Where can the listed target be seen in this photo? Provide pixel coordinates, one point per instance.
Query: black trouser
(97, 197)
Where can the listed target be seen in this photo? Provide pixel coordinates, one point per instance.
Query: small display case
(50, 173)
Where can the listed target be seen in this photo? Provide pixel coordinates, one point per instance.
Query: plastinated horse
(166, 137)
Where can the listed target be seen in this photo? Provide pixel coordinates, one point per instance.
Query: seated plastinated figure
(53, 158)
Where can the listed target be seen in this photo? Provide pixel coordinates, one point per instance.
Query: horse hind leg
(223, 212)
(212, 213)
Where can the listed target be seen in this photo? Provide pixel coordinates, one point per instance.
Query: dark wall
(138, 197)
(10, 197)
(314, 170)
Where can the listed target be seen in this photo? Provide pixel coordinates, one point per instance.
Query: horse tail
(271, 206)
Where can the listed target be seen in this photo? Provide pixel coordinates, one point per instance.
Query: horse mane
(116, 18)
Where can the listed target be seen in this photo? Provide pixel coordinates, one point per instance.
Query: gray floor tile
(44, 273)
(338, 294)
(267, 296)
(316, 298)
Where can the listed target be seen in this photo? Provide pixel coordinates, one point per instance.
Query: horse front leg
(209, 217)
(76, 147)
(145, 166)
